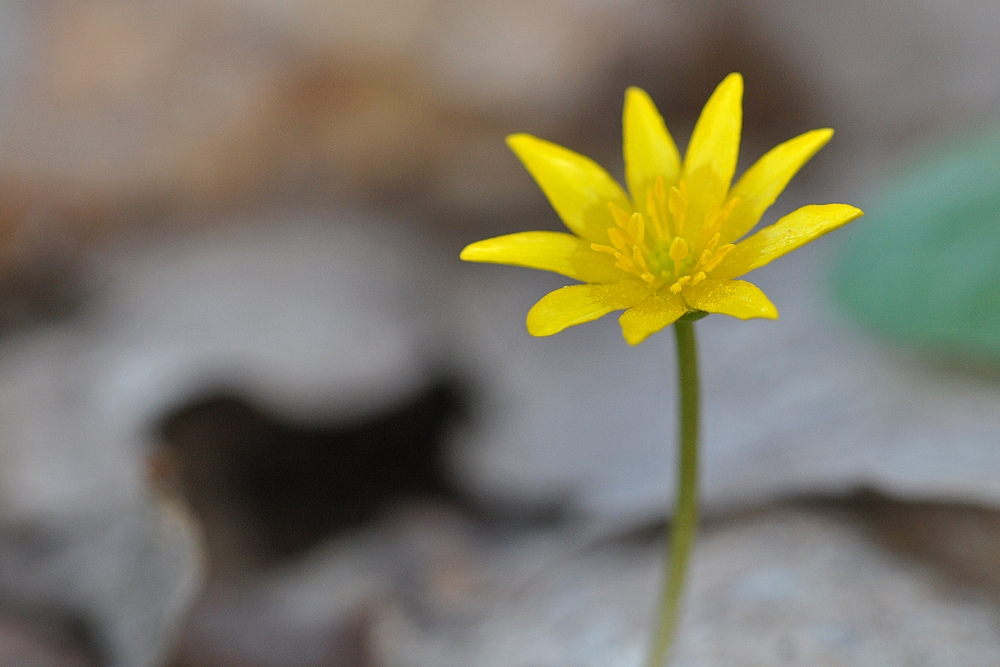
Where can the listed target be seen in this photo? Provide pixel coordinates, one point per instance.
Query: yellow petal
(731, 297)
(577, 304)
(649, 149)
(761, 184)
(648, 317)
(710, 160)
(790, 232)
(560, 253)
(578, 188)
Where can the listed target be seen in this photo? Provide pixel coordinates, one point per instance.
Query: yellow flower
(669, 248)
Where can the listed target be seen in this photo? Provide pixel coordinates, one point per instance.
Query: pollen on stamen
(679, 285)
(698, 277)
(636, 227)
(603, 248)
(677, 203)
(678, 252)
(639, 258)
(719, 255)
(640, 261)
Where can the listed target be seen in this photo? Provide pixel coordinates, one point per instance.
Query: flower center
(664, 247)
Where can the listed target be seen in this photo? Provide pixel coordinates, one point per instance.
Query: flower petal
(560, 253)
(711, 155)
(578, 188)
(790, 232)
(731, 297)
(649, 149)
(648, 317)
(761, 184)
(577, 304)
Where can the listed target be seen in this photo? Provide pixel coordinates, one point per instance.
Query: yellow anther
(714, 219)
(698, 277)
(603, 248)
(677, 203)
(639, 258)
(636, 227)
(677, 286)
(705, 256)
(718, 256)
(620, 216)
(659, 204)
(648, 277)
(619, 240)
(655, 216)
(712, 242)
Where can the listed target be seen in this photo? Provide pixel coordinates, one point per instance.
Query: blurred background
(254, 412)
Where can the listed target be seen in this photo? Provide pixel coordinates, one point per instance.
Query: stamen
(712, 242)
(636, 227)
(677, 286)
(698, 277)
(677, 203)
(639, 259)
(660, 195)
(619, 240)
(715, 218)
(603, 248)
(648, 277)
(620, 216)
(719, 255)
(659, 226)
(710, 226)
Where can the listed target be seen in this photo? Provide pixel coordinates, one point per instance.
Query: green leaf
(923, 266)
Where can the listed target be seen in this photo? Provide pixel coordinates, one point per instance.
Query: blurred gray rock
(317, 321)
(791, 587)
(82, 535)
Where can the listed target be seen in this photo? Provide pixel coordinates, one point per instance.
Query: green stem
(685, 523)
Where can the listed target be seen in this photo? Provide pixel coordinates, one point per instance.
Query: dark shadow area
(960, 539)
(265, 488)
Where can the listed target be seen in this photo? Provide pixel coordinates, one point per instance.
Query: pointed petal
(648, 317)
(761, 184)
(731, 297)
(649, 149)
(710, 160)
(577, 304)
(790, 232)
(578, 188)
(560, 253)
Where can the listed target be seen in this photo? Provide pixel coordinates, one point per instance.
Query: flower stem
(685, 523)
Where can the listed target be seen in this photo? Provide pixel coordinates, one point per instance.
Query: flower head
(669, 248)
